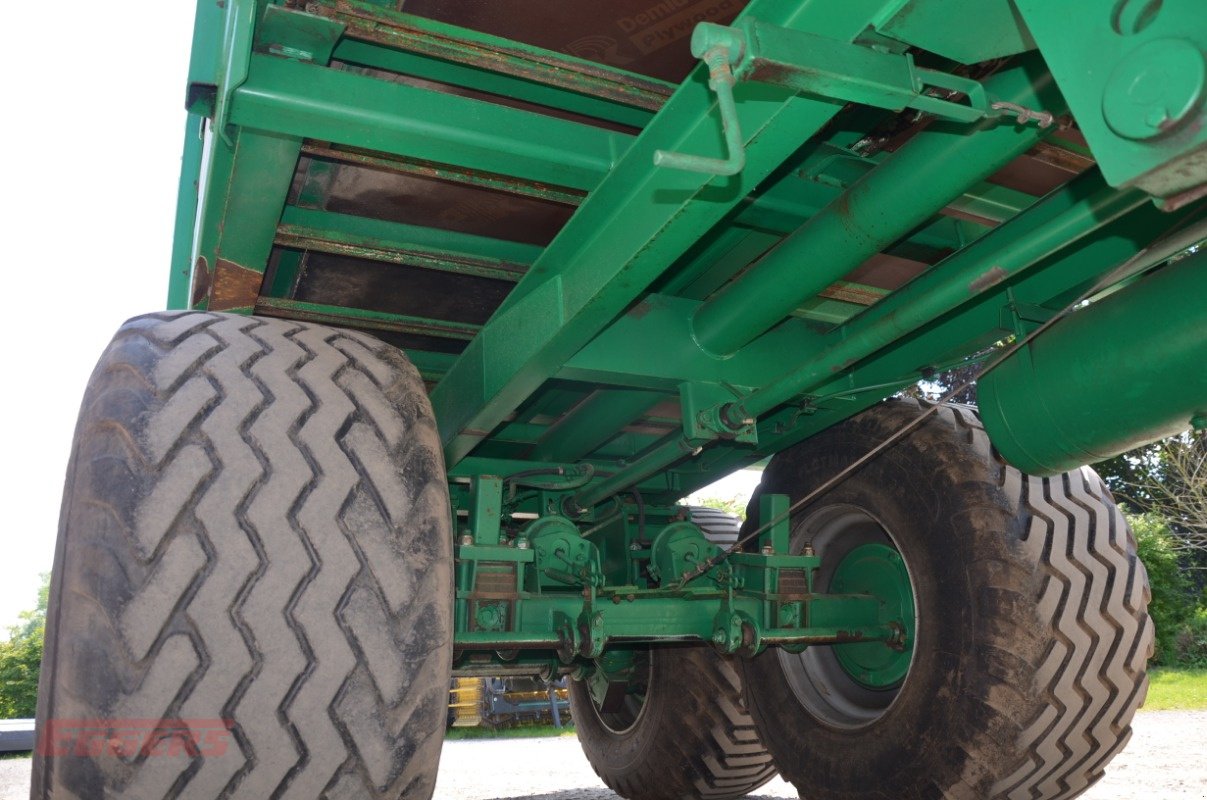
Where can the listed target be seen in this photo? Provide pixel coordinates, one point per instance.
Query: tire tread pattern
(699, 741)
(255, 528)
(1062, 657)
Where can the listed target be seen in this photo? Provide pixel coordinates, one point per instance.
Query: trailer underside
(628, 248)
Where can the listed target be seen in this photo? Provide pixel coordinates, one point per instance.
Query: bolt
(635, 546)
(521, 544)
(768, 550)
(719, 636)
(467, 539)
(809, 550)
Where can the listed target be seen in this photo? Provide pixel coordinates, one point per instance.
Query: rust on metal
(408, 32)
(202, 279)
(445, 172)
(991, 277)
(303, 238)
(359, 318)
(1051, 153)
(853, 293)
(234, 286)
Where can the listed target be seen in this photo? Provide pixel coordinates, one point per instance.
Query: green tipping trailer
(467, 296)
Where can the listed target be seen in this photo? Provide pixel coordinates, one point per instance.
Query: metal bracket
(756, 51)
(701, 408)
(298, 35)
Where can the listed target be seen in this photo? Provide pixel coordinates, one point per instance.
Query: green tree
(21, 658)
(730, 505)
(1172, 603)
(1167, 478)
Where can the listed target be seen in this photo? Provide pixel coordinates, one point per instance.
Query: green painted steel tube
(929, 172)
(1057, 221)
(1125, 371)
(1061, 218)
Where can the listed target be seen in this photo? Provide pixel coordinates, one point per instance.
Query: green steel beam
(485, 80)
(622, 354)
(880, 208)
(408, 32)
(306, 100)
(363, 318)
(245, 189)
(850, 72)
(985, 30)
(205, 64)
(632, 226)
(431, 366)
(282, 278)
(187, 198)
(592, 423)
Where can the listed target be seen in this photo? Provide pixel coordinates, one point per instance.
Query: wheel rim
(625, 718)
(853, 685)
(878, 570)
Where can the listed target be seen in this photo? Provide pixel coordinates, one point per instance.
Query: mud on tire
(689, 737)
(1033, 633)
(255, 534)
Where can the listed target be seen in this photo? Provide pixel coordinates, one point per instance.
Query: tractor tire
(687, 735)
(252, 589)
(1032, 631)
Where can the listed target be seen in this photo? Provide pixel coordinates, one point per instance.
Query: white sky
(93, 125)
(94, 121)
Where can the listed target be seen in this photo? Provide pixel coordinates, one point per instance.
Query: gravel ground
(1166, 760)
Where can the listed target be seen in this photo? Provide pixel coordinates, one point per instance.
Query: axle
(571, 592)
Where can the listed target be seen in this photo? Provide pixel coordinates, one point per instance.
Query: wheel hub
(877, 570)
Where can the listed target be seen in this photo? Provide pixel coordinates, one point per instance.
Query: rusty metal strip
(445, 172)
(372, 23)
(854, 293)
(363, 318)
(303, 238)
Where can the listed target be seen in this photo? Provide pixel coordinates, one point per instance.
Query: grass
(1176, 688)
(522, 732)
